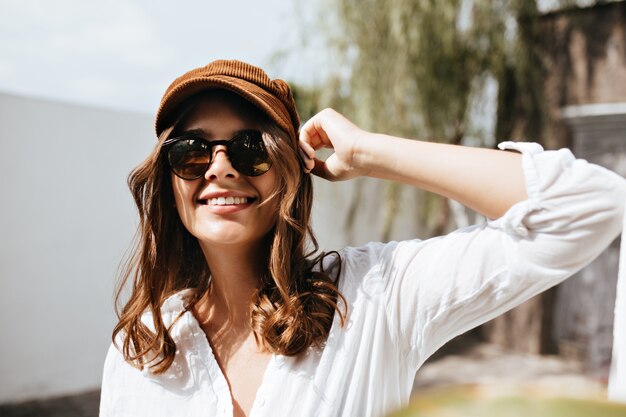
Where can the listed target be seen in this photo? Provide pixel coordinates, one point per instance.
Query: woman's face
(211, 207)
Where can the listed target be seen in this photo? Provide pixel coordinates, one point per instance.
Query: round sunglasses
(189, 156)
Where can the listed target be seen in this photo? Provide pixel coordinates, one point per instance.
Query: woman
(230, 313)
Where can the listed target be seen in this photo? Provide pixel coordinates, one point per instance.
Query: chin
(230, 238)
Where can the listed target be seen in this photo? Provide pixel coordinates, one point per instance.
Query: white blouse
(406, 299)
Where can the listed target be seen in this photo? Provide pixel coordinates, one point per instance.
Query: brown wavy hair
(294, 305)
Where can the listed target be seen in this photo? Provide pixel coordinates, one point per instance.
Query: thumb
(333, 169)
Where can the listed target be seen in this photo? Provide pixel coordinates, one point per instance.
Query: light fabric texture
(406, 299)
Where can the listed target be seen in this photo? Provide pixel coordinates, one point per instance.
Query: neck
(235, 277)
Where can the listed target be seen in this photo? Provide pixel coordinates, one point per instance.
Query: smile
(226, 201)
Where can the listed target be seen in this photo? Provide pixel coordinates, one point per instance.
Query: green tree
(420, 69)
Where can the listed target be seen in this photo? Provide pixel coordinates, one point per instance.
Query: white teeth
(222, 201)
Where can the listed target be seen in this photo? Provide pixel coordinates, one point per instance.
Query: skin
(487, 181)
(232, 240)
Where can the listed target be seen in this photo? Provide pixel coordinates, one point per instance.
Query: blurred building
(587, 91)
(584, 51)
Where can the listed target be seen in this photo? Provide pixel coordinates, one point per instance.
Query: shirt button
(261, 402)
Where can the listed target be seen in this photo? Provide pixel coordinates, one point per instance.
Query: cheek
(271, 185)
(183, 198)
(267, 185)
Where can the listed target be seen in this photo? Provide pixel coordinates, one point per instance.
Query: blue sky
(123, 53)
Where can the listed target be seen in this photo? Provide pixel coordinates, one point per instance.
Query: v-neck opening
(217, 373)
(260, 396)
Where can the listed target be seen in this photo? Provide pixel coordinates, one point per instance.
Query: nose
(220, 166)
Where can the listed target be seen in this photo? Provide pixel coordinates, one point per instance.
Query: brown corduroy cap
(272, 97)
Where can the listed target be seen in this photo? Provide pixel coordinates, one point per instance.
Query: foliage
(412, 67)
(416, 68)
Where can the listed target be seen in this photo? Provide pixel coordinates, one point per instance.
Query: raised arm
(554, 214)
(485, 180)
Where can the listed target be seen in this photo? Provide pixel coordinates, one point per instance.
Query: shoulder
(367, 267)
(377, 257)
(171, 309)
(118, 378)
(352, 261)
(172, 313)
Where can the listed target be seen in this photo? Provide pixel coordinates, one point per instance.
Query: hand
(329, 129)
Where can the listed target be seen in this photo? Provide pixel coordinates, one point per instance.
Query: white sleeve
(121, 386)
(439, 288)
(107, 391)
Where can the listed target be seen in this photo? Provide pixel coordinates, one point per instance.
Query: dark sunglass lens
(248, 154)
(189, 158)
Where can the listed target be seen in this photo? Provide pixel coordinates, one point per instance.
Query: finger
(308, 162)
(319, 169)
(307, 131)
(307, 148)
(325, 170)
(311, 137)
(313, 132)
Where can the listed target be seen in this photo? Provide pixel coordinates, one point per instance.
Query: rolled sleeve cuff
(512, 221)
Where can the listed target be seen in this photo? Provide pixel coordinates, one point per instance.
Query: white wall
(66, 219)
